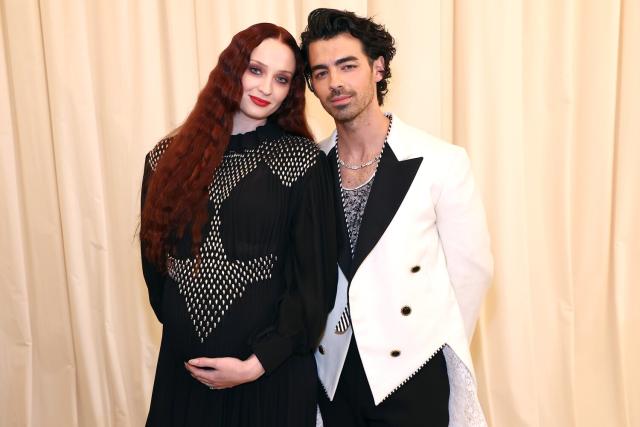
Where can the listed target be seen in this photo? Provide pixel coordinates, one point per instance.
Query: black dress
(264, 286)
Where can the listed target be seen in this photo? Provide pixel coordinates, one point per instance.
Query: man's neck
(362, 136)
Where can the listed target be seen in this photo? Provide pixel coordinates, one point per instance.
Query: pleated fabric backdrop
(544, 94)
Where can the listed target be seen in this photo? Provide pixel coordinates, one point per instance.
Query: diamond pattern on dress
(290, 158)
(212, 287)
(157, 152)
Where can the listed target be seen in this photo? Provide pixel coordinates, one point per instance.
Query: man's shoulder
(415, 142)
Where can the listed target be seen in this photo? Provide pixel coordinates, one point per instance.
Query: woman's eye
(283, 80)
(255, 70)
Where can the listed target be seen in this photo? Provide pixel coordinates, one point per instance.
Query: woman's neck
(244, 124)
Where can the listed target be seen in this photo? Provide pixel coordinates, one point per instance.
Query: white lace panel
(464, 406)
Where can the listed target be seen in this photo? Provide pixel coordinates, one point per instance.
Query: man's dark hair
(323, 24)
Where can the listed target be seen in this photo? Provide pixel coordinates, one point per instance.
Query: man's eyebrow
(319, 67)
(338, 62)
(346, 59)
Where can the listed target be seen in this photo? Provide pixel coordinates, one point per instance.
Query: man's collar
(394, 140)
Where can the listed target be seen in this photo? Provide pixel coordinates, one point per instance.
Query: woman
(237, 237)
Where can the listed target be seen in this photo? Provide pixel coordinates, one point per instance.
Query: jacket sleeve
(462, 226)
(153, 278)
(310, 271)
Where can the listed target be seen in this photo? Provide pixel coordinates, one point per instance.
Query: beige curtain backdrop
(544, 94)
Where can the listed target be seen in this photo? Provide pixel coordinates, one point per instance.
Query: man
(414, 258)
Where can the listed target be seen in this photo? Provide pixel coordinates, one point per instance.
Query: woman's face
(265, 83)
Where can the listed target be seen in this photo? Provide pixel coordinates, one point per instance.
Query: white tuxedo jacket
(420, 269)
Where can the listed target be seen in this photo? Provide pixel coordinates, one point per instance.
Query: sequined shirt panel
(355, 201)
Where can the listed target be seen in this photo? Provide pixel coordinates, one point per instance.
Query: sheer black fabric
(264, 286)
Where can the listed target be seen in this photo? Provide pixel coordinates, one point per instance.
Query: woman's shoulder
(295, 148)
(153, 156)
(291, 156)
(296, 145)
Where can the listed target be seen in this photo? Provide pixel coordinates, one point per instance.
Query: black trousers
(423, 401)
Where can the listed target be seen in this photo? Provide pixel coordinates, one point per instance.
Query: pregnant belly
(205, 323)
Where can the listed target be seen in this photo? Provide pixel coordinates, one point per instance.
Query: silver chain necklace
(375, 159)
(353, 167)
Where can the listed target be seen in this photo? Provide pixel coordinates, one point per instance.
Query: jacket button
(415, 268)
(321, 349)
(406, 310)
(395, 353)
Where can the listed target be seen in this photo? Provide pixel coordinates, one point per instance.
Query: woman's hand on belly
(224, 372)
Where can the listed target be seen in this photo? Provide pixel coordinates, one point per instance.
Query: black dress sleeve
(310, 271)
(152, 276)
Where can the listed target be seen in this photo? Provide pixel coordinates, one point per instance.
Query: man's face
(342, 77)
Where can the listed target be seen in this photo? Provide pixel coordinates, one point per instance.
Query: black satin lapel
(390, 186)
(344, 247)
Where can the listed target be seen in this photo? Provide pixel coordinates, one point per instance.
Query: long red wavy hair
(177, 193)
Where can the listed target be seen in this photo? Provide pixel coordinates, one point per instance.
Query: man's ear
(378, 68)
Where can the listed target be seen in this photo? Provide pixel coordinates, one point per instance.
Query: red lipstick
(259, 101)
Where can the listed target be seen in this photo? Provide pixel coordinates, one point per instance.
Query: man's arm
(462, 226)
